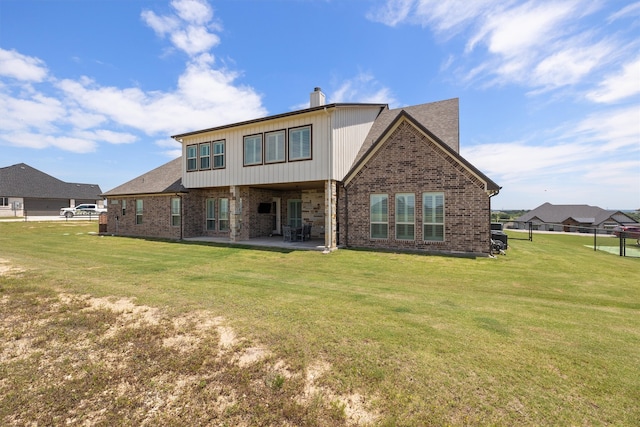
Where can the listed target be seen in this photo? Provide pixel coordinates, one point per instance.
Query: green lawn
(547, 335)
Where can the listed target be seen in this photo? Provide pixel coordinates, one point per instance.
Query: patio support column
(235, 213)
(330, 208)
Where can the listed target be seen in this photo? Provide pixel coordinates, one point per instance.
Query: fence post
(622, 244)
(530, 231)
(595, 242)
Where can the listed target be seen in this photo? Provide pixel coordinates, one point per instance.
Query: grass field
(107, 330)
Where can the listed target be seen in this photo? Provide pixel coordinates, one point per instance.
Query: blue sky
(91, 90)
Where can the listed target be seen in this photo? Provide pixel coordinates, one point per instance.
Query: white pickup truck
(83, 209)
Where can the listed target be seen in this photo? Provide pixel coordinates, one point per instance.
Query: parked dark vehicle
(630, 231)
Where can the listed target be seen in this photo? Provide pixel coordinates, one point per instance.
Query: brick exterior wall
(194, 212)
(409, 162)
(249, 222)
(156, 217)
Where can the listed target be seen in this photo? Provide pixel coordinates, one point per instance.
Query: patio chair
(287, 233)
(306, 232)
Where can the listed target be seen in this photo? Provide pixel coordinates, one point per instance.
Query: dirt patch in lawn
(76, 359)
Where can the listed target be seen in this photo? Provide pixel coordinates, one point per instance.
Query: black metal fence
(604, 239)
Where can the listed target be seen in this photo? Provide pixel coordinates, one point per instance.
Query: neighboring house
(27, 191)
(550, 217)
(361, 175)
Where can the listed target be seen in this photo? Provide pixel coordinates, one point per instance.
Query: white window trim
(372, 222)
(211, 218)
(220, 143)
(281, 146)
(194, 158)
(410, 223)
(424, 218)
(292, 140)
(255, 148)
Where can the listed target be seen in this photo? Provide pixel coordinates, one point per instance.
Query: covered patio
(266, 242)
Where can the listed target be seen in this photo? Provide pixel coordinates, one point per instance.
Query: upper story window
(300, 143)
(253, 150)
(218, 154)
(192, 157)
(199, 156)
(274, 146)
(205, 156)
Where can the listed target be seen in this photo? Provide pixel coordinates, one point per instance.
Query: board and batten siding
(350, 128)
(344, 128)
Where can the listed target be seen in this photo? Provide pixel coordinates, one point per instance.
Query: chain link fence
(621, 243)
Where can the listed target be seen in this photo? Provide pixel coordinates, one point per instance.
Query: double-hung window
(379, 216)
(139, 206)
(4, 201)
(218, 154)
(223, 214)
(253, 150)
(211, 214)
(433, 216)
(175, 211)
(124, 207)
(205, 156)
(274, 146)
(300, 143)
(192, 157)
(405, 216)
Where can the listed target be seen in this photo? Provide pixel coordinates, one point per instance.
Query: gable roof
(21, 180)
(163, 179)
(584, 214)
(442, 118)
(403, 115)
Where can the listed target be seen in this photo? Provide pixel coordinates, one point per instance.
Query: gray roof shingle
(557, 214)
(163, 179)
(21, 180)
(441, 118)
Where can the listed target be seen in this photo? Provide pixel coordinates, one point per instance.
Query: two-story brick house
(361, 175)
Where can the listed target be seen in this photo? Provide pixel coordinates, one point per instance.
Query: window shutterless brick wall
(156, 217)
(409, 162)
(194, 212)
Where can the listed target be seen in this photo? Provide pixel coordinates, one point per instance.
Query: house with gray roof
(550, 217)
(27, 191)
(352, 175)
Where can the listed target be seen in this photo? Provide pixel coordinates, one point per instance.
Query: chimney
(317, 98)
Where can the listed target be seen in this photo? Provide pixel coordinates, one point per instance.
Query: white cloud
(542, 45)
(612, 130)
(189, 29)
(576, 162)
(392, 13)
(512, 32)
(363, 88)
(618, 86)
(194, 40)
(21, 67)
(35, 111)
(78, 114)
(632, 9)
(570, 64)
